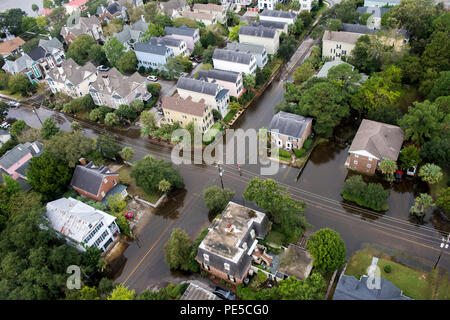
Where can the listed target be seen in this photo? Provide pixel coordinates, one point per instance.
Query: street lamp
(220, 173)
(444, 245)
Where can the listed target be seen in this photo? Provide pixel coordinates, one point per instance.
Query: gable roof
(167, 41)
(83, 26)
(289, 124)
(227, 76)
(152, 48)
(140, 25)
(350, 288)
(198, 86)
(72, 72)
(18, 152)
(198, 291)
(182, 30)
(232, 56)
(171, 5)
(341, 36)
(50, 45)
(37, 53)
(118, 84)
(358, 28)
(186, 106)
(260, 31)
(198, 15)
(113, 8)
(278, 14)
(379, 139)
(269, 24)
(246, 47)
(208, 7)
(127, 34)
(89, 178)
(8, 46)
(20, 64)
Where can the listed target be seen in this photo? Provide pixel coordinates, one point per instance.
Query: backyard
(126, 179)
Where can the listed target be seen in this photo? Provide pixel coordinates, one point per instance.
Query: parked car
(411, 171)
(224, 294)
(13, 104)
(129, 215)
(398, 175)
(102, 68)
(152, 78)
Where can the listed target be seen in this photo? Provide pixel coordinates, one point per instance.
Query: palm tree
(388, 167)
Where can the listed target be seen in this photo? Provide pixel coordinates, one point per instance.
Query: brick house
(90, 25)
(226, 251)
(92, 181)
(374, 142)
(289, 131)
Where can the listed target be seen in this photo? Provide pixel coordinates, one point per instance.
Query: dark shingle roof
(222, 93)
(167, 41)
(37, 53)
(228, 76)
(278, 13)
(232, 56)
(289, 124)
(181, 30)
(151, 48)
(89, 177)
(358, 28)
(197, 86)
(246, 47)
(269, 24)
(114, 7)
(259, 31)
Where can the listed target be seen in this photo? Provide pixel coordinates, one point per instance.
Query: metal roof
(260, 31)
(228, 76)
(198, 86)
(181, 30)
(233, 56)
(246, 47)
(269, 24)
(12, 156)
(289, 124)
(151, 48)
(197, 291)
(278, 14)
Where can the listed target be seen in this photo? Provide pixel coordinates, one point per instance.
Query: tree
(364, 57)
(409, 157)
(17, 128)
(154, 89)
(48, 175)
(164, 186)
(107, 146)
(148, 119)
(208, 53)
(122, 293)
(79, 48)
(328, 250)
(111, 119)
(249, 82)
(287, 46)
(234, 33)
(217, 199)
(116, 203)
(430, 173)
(436, 54)
(96, 54)
(422, 122)
(88, 293)
(292, 289)
(370, 195)
(388, 167)
(344, 74)
(76, 126)
(11, 20)
(47, 4)
(363, 19)
(326, 104)
(178, 249)
(49, 128)
(127, 153)
(4, 108)
(137, 105)
(303, 72)
(334, 24)
(421, 203)
(69, 146)
(19, 83)
(148, 172)
(11, 186)
(126, 112)
(114, 49)
(127, 62)
(436, 150)
(441, 86)
(443, 201)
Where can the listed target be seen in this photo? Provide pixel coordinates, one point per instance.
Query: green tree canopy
(79, 48)
(430, 173)
(49, 128)
(217, 199)
(328, 250)
(178, 249)
(107, 146)
(69, 146)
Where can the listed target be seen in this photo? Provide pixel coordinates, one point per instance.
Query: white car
(13, 104)
(411, 171)
(152, 78)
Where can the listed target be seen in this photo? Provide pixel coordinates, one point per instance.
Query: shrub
(387, 268)
(299, 152)
(283, 153)
(307, 143)
(58, 107)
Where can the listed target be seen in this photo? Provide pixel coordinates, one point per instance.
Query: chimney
(105, 79)
(83, 161)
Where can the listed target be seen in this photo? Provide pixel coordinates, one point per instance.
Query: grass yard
(416, 284)
(17, 96)
(133, 189)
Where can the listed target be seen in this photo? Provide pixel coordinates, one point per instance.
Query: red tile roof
(76, 3)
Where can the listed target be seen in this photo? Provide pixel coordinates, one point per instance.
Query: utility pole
(35, 112)
(444, 245)
(220, 173)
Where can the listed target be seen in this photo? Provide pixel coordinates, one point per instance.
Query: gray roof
(198, 291)
(232, 56)
(119, 85)
(289, 124)
(151, 48)
(376, 12)
(73, 73)
(140, 25)
(114, 8)
(171, 5)
(379, 139)
(4, 132)
(22, 63)
(37, 53)
(358, 28)
(269, 24)
(246, 47)
(117, 189)
(323, 73)
(127, 34)
(278, 13)
(228, 76)
(198, 86)
(222, 93)
(89, 177)
(84, 25)
(350, 288)
(260, 31)
(51, 44)
(340, 36)
(167, 41)
(181, 30)
(20, 151)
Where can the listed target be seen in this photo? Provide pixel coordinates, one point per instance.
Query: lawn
(209, 135)
(416, 284)
(229, 116)
(133, 189)
(17, 96)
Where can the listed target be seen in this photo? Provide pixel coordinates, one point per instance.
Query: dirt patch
(140, 213)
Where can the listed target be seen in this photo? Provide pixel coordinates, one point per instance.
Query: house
(218, 11)
(213, 94)
(227, 79)
(85, 25)
(4, 136)
(72, 79)
(54, 52)
(305, 5)
(280, 26)
(184, 111)
(111, 12)
(82, 225)
(381, 3)
(15, 162)
(75, 5)
(26, 66)
(189, 35)
(374, 142)
(323, 72)
(205, 18)
(268, 37)
(111, 88)
(152, 55)
(226, 251)
(397, 38)
(11, 47)
(288, 17)
(131, 34)
(289, 130)
(234, 61)
(198, 291)
(174, 8)
(267, 4)
(257, 50)
(295, 262)
(336, 44)
(178, 46)
(374, 21)
(92, 181)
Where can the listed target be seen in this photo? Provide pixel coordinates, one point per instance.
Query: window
(356, 155)
(370, 158)
(206, 257)
(369, 166)
(355, 162)
(226, 266)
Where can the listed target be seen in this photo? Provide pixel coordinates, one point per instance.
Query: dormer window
(226, 266)
(252, 233)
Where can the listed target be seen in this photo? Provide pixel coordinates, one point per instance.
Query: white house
(305, 5)
(258, 51)
(336, 44)
(82, 225)
(268, 37)
(228, 79)
(189, 35)
(279, 26)
(267, 4)
(234, 61)
(151, 55)
(288, 17)
(178, 46)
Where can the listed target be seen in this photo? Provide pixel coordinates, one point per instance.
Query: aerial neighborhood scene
(225, 150)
